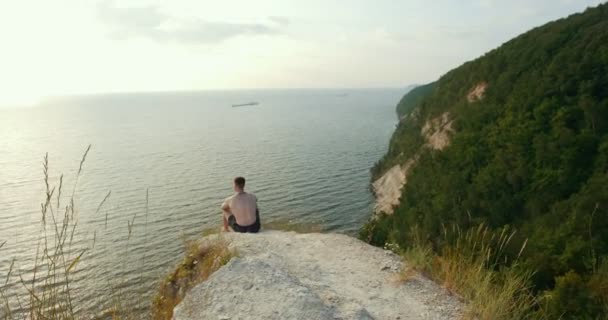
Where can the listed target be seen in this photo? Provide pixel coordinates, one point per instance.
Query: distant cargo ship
(253, 103)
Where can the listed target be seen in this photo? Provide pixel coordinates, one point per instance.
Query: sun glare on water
(18, 99)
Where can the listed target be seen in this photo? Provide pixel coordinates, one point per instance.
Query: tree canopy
(532, 153)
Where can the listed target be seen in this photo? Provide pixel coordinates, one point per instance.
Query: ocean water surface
(306, 154)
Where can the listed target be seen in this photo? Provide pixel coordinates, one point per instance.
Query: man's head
(239, 184)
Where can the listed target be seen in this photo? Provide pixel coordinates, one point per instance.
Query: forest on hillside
(531, 155)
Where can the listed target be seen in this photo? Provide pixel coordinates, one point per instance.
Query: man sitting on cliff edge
(240, 211)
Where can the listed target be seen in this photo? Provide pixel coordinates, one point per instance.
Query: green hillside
(530, 151)
(413, 98)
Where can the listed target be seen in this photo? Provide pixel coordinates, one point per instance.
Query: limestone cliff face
(436, 133)
(388, 188)
(286, 275)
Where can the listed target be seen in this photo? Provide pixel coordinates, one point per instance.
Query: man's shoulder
(242, 196)
(229, 198)
(248, 196)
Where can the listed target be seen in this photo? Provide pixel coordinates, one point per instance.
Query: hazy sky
(81, 46)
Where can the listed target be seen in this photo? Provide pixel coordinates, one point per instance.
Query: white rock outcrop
(478, 92)
(437, 131)
(388, 187)
(286, 275)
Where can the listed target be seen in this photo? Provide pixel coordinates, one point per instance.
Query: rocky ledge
(286, 275)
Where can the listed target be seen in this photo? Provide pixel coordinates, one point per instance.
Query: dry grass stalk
(473, 264)
(48, 294)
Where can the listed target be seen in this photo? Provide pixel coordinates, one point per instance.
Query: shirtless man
(240, 211)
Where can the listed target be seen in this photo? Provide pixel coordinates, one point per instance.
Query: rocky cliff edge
(287, 275)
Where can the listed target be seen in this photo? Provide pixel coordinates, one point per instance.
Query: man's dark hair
(240, 182)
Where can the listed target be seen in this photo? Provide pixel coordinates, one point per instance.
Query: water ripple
(306, 156)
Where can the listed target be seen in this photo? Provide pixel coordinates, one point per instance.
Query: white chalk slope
(286, 275)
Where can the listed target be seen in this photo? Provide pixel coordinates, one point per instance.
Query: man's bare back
(240, 211)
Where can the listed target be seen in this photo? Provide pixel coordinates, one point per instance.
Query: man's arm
(225, 222)
(225, 213)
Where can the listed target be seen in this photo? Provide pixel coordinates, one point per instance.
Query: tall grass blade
(10, 270)
(84, 157)
(59, 191)
(102, 202)
(73, 264)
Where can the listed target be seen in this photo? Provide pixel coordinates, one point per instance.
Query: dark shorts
(254, 228)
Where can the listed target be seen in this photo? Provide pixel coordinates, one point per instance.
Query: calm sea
(306, 154)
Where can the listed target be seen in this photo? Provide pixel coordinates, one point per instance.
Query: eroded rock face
(437, 131)
(478, 92)
(388, 187)
(286, 275)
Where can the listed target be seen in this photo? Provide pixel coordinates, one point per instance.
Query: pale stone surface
(478, 92)
(437, 131)
(388, 187)
(286, 275)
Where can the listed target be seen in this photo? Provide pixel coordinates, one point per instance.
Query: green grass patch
(200, 261)
(289, 225)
